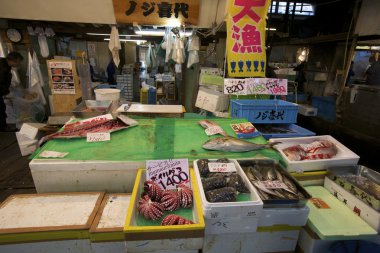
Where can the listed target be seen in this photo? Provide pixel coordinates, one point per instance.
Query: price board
(168, 173)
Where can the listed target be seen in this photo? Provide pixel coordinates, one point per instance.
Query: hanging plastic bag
(44, 48)
(178, 53)
(193, 49)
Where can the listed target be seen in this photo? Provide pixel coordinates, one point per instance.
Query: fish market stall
(112, 165)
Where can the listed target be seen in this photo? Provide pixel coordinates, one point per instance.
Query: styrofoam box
(284, 216)
(30, 130)
(211, 100)
(310, 243)
(368, 214)
(257, 242)
(27, 146)
(231, 225)
(343, 157)
(219, 210)
(307, 110)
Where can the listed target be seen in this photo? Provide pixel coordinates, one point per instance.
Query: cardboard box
(211, 100)
(27, 146)
(368, 214)
(31, 130)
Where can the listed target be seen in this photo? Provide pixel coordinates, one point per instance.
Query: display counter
(112, 166)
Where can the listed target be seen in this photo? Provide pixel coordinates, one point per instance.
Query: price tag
(235, 86)
(319, 203)
(214, 130)
(276, 184)
(168, 173)
(269, 86)
(222, 167)
(52, 154)
(97, 137)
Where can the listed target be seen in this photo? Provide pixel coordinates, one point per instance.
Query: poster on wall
(62, 77)
(246, 22)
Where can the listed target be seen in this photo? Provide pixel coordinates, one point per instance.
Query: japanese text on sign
(156, 11)
(168, 173)
(246, 37)
(214, 130)
(97, 137)
(221, 167)
(271, 115)
(276, 184)
(269, 86)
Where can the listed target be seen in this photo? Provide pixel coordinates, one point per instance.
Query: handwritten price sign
(271, 184)
(168, 173)
(269, 86)
(222, 167)
(97, 137)
(235, 86)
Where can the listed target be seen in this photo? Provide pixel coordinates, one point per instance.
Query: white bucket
(109, 94)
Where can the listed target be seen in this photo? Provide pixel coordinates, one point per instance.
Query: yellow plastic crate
(133, 232)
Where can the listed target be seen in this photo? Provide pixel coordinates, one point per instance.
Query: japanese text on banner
(246, 23)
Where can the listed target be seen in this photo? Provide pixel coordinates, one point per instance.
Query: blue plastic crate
(265, 111)
(326, 107)
(283, 131)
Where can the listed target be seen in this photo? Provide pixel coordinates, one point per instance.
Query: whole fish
(231, 144)
(208, 124)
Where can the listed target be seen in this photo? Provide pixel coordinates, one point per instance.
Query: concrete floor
(15, 176)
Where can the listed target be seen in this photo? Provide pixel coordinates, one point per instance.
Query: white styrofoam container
(231, 225)
(219, 210)
(30, 130)
(367, 213)
(182, 245)
(27, 146)
(60, 175)
(307, 110)
(61, 246)
(257, 242)
(310, 243)
(342, 158)
(284, 216)
(211, 100)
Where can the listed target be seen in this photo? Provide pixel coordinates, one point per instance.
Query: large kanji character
(148, 8)
(132, 8)
(164, 10)
(181, 7)
(247, 5)
(251, 38)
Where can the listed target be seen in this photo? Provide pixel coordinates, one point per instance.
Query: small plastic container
(265, 111)
(326, 107)
(109, 94)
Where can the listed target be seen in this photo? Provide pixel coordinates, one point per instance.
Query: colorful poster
(246, 22)
(62, 78)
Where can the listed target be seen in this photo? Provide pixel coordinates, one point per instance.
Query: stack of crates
(270, 115)
(125, 83)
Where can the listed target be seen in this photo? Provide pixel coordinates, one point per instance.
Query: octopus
(172, 219)
(185, 195)
(149, 209)
(170, 200)
(153, 190)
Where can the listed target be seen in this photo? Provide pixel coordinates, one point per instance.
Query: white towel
(114, 45)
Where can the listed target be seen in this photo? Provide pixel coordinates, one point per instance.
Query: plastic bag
(44, 48)
(28, 106)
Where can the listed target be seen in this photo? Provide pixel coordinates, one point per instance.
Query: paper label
(269, 86)
(52, 154)
(168, 173)
(98, 137)
(319, 203)
(276, 184)
(221, 167)
(214, 130)
(235, 86)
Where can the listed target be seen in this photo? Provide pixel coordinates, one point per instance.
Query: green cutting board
(332, 219)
